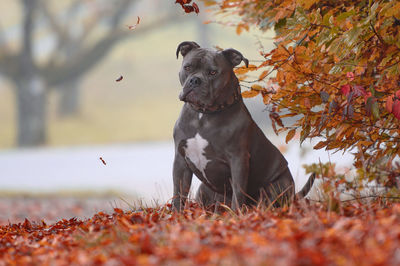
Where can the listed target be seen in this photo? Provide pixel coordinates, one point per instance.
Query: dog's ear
(235, 57)
(185, 48)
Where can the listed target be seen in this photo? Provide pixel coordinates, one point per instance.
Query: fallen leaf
(345, 89)
(396, 109)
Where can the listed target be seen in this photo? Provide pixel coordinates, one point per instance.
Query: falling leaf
(183, 2)
(196, 8)
(187, 7)
(131, 27)
(102, 160)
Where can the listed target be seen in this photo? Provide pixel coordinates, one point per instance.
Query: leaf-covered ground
(304, 234)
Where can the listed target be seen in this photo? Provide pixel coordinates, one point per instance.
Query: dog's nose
(194, 81)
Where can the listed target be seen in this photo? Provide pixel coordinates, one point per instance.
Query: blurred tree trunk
(31, 91)
(31, 104)
(69, 103)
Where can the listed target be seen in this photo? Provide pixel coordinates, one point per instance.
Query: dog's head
(206, 75)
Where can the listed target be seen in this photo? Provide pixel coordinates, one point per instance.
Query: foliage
(337, 72)
(301, 235)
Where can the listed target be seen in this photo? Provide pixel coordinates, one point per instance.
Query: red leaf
(396, 109)
(389, 104)
(183, 2)
(188, 9)
(345, 89)
(196, 8)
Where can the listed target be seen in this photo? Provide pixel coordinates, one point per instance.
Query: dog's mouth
(188, 96)
(183, 95)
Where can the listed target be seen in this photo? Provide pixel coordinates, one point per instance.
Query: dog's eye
(212, 72)
(187, 68)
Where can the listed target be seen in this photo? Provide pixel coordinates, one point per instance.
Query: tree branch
(26, 55)
(87, 58)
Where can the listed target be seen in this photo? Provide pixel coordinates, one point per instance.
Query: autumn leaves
(337, 72)
(299, 235)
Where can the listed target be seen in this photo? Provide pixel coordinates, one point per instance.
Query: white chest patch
(194, 151)
(200, 115)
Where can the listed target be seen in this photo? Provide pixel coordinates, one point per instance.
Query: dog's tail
(306, 188)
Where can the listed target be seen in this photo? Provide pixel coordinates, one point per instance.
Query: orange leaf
(242, 70)
(263, 75)
(320, 145)
(250, 93)
(257, 87)
(290, 135)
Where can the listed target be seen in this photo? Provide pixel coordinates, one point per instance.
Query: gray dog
(217, 140)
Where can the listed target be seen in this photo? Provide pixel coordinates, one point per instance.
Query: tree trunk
(69, 102)
(32, 105)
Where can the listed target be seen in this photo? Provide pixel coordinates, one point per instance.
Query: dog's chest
(194, 151)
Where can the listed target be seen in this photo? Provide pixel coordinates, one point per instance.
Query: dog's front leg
(182, 180)
(240, 175)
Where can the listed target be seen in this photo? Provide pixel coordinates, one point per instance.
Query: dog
(217, 140)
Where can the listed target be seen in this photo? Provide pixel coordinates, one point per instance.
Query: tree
(337, 72)
(83, 32)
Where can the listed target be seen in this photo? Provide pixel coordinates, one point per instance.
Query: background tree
(336, 70)
(82, 34)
